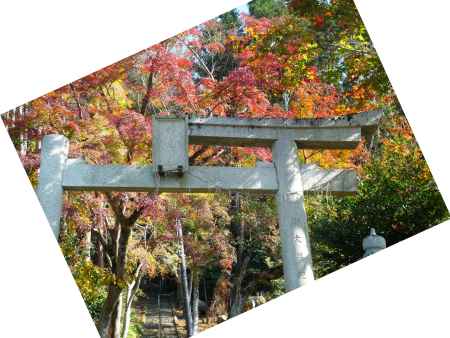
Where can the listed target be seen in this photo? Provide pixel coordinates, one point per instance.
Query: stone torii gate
(170, 172)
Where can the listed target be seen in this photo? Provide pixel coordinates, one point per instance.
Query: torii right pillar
(292, 220)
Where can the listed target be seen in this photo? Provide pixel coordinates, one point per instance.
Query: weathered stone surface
(82, 176)
(334, 181)
(295, 247)
(373, 243)
(363, 120)
(170, 144)
(308, 133)
(310, 138)
(54, 152)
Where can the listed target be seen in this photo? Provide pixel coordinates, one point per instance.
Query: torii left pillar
(295, 246)
(54, 153)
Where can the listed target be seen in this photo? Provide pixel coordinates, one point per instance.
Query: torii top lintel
(343, 132)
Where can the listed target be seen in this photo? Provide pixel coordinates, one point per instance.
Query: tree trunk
(120, 237)
(242, 256)
(195, 300)
(127, 316)
(86, 245)
(99, 254)
(180, 299)
(220, 297)
(133, 287)
(104, 323)
(146, 98)
(190, 276)
(236, 290)
(23, 133)
(116, 319)
(205, 296)
(184, 281)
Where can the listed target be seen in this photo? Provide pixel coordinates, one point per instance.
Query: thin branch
(353, 50)
(135, 284)
(214, 154)
(135, 216)
(108, 105)
(75, 96)
(199, 58)
(146, 98)
(105, 246)
(117, 207)
(197, 154)
(312, 154)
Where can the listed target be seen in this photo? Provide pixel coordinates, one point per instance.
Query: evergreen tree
(267, 8)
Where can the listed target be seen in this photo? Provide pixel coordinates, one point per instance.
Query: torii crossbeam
(170, 172)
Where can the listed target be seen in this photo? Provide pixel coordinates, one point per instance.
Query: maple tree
(293, 59)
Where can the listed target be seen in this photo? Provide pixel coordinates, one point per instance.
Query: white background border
(402, 291)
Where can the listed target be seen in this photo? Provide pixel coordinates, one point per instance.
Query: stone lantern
(373, 243)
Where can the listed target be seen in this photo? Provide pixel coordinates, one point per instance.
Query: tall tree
(267, 8)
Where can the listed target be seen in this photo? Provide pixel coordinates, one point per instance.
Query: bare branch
(105, 246)
(199, 59)
(146, 98)
(197, 154)
(75, 96)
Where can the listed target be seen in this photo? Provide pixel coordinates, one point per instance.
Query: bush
(397, 196)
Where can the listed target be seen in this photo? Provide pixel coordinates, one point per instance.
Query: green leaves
(397, 196)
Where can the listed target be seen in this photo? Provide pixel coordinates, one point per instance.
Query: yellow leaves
(306, 107)
(248, 161)
(98, 131)
(288, 72)
(344, 43)
(358, 92)
(426, 174)
(249, 30)
(341, 109)
(311, 45)
(90, 278)
(120, 94)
